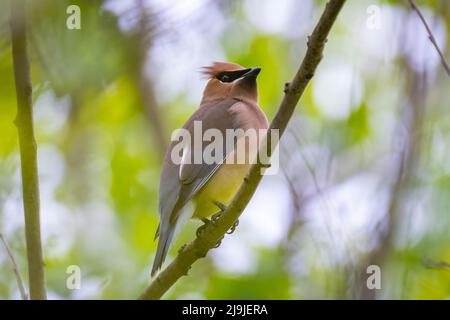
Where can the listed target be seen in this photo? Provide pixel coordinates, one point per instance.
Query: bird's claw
(206, 221)
(201, 229)
(216, 216)
(233, 227)
(218, 243)
(220, 205)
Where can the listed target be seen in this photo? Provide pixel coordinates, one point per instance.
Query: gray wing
(194, 176)
(176, 189)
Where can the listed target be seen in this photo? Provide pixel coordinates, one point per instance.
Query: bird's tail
(167, 231)
(165, 239)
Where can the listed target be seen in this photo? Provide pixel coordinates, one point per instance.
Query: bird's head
(229, 80)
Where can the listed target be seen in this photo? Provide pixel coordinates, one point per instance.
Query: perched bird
(230, 101)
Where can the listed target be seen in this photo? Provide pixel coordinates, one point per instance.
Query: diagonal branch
(28, 152)
(430, 36)
(213, 232)
(23, 292)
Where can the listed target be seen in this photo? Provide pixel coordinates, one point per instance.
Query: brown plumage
(230, 101)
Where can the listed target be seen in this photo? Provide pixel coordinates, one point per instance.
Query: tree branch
(431, 36)
(20, 285)
(215, 231)
(28, 152)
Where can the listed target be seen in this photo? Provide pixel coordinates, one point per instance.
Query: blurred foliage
(99, 164)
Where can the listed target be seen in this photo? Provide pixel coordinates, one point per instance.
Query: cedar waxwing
(230, 101)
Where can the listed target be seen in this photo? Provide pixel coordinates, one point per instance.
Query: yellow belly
(221, 187)
(226, 181)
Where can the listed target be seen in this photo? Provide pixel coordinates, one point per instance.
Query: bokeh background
(365, 164)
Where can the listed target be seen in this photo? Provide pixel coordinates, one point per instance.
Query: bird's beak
(252, 73)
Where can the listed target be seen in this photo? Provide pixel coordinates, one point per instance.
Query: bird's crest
(217, 67)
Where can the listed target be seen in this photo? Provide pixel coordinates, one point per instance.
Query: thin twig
(431, 264)
(23, 292)
(28, 150)
(213, 232)
(430, 36)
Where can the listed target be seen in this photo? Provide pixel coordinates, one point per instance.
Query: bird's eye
(225, 78)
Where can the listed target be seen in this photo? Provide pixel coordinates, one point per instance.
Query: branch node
(182, 248)
(187, 271)
(201, 252)
(286, 87)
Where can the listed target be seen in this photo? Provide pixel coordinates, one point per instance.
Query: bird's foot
(206, 222)
(213, 219)
(220, 205)
(217, 215)
(201, 229)
(233, 227)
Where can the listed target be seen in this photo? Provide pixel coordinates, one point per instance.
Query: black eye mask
(230, 76)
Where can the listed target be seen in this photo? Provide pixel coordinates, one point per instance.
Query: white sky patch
(381, 41)
(235, 255)
(124, 9)
(186, 41)
(129, 13)
(265, 220)
(337, 89)
(57, 228)
(419, 219)
(12, 214)
(177, 8)
(90, 288)
(57, 222)
(50, 112)
(373, 34)
(263, 223)
(191, 296)
(52, 167)
(344, 217)
(280, 16)
(97, 231)
(175, 64)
